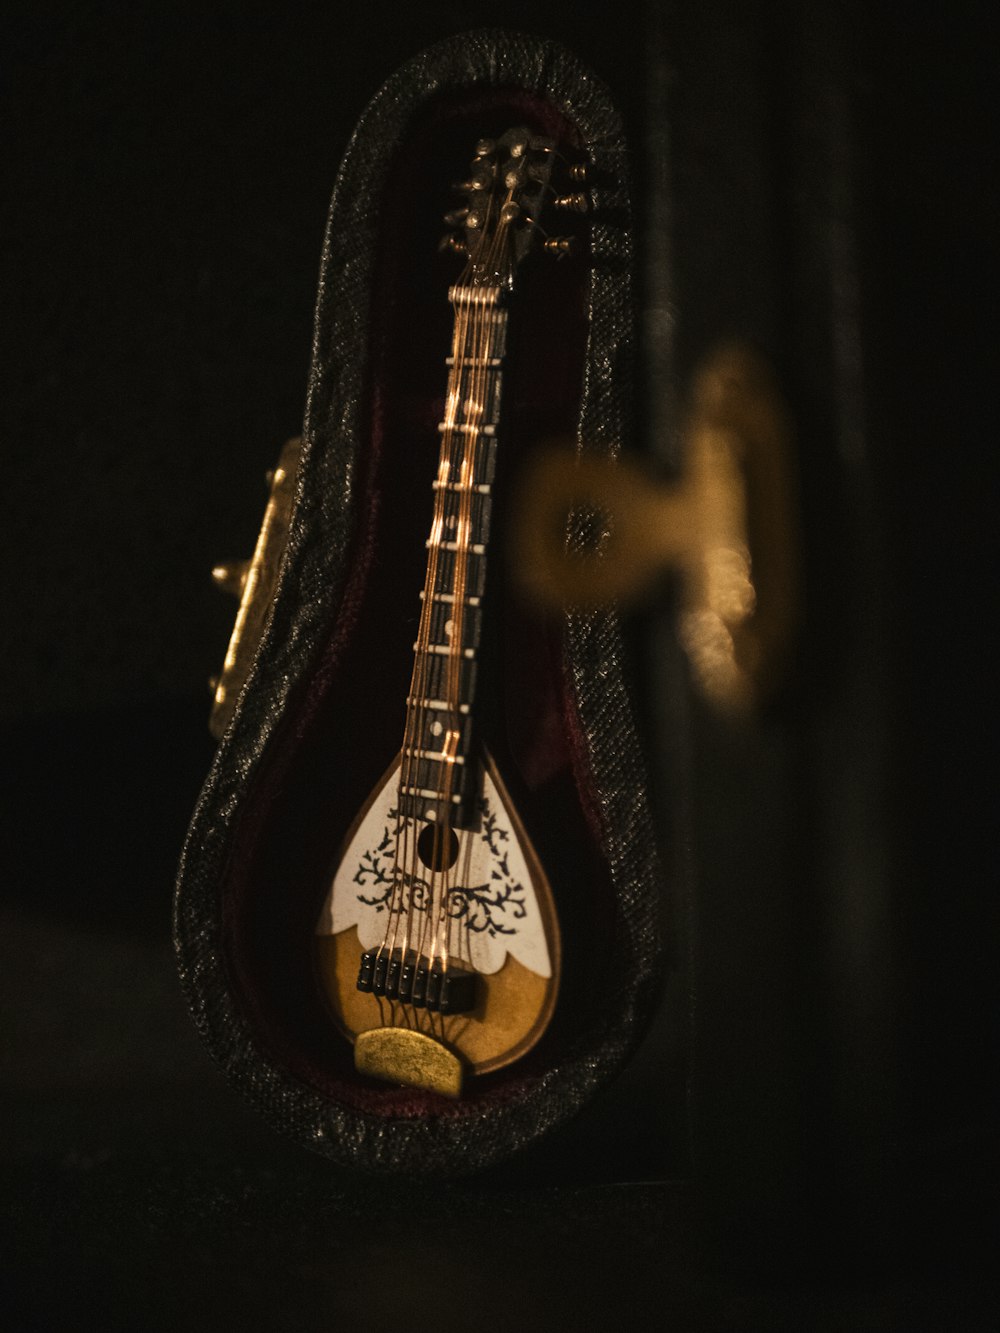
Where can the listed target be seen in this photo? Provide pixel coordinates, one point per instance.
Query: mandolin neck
(437, 773)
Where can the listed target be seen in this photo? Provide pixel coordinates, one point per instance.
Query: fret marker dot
(436, 728)
(449, 627)
(430, 813)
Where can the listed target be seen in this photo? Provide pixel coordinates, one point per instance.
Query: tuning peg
(572, 203)
(479, 181)
(578, 173)
(485, 146)
(453, 243)
(560, 246)
(456, 217)
(231, 577)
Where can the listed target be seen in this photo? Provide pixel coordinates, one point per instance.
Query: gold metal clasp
(727, 526)
(253, 582)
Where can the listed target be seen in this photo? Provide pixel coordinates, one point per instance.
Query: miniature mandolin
(438, 943)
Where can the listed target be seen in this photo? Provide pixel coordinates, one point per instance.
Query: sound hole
(437, 847)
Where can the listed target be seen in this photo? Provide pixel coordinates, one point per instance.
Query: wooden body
(508, 934)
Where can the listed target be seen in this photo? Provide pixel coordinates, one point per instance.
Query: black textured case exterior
(306, 609)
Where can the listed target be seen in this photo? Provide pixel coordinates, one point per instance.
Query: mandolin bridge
(414, 980)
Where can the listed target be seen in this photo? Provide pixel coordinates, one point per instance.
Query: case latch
(727, 527)
(253, 581)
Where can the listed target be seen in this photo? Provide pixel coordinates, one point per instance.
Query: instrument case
(321, 714)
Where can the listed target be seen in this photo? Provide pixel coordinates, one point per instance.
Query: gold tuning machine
(572, 203)
(596, 531)
(560, 246)
(253, 581)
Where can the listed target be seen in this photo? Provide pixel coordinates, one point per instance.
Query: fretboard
(437, 773)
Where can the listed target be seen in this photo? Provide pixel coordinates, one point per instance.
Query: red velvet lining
(341, 731)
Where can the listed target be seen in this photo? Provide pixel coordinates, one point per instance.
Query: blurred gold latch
(253, 582)
(727, 526)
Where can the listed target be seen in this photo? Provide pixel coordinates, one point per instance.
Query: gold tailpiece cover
(401, 1055)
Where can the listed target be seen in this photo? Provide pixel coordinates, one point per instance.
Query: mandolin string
(452, 691)
(487, 378)
(457, 617)
(479, 386)
(484, 345)
(481, 342)
(478, 316)
(472, 390)
(420, 708)
(458, 525)
(474, 396)
(462, 322)
(400, 900)
(402, 894)
(479, 396)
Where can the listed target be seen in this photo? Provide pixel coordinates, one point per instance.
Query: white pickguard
(492, 907)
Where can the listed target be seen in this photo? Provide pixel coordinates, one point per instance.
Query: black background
(166, 171)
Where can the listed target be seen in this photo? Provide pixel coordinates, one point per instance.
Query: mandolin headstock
(508, 193)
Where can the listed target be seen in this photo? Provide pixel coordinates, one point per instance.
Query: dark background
(166, 172)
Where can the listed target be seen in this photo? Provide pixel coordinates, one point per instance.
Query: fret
(476, 548)
(434, 755)
(436, 705)
(422, 786)
(457, 486)
(428, 793)
(491, 361)
(443, 649)
(424, 775)
(449, 599)
(465, 428)
(460, 813)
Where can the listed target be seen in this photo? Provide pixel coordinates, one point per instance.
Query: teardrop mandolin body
(472, 913)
